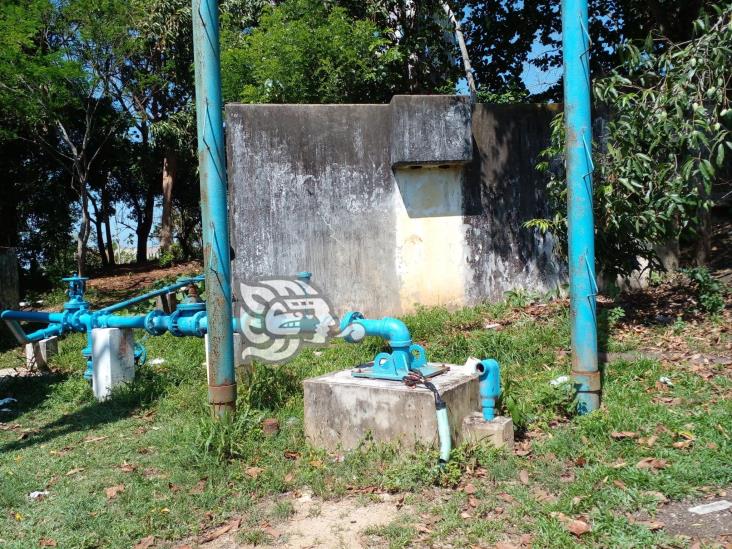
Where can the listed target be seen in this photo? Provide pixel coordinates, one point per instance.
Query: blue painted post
(214, 212)
(578, 125)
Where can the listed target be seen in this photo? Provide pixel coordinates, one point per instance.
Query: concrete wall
(387, 213)
(9, 284)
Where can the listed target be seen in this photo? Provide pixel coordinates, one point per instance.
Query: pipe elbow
(489, 379)
(396, 332)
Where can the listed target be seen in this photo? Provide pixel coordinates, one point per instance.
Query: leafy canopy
(668, 133)
(306, 52)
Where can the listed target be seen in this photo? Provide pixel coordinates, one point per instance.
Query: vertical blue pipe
(578, 125)
(214, 212)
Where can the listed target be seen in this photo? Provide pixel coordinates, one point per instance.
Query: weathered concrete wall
(386, 215)
(9, 283)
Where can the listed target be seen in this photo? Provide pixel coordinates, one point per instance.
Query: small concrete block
(38, 353)
(341, 410)
(430, 130)
(498, 431)
(113, 359)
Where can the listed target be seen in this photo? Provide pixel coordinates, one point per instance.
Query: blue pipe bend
(489, 379)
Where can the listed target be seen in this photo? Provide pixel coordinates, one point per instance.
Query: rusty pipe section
(214, 211)
(580, 220)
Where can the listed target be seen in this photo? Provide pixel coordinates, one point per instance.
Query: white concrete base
(498, 431)
(341, 410)
(38, 353)
(240, 361)
(113, 359)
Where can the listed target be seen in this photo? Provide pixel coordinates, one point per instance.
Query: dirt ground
(134, 278)
(316, 523)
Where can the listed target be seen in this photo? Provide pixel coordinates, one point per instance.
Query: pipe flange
(150, 326)
(197, 323)
(173, 323)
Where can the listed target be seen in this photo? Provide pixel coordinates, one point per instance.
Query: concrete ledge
(499, 431)
(38, 353)
(430, 130)
(341, 411)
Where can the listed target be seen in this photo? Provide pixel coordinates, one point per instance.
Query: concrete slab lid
(712, 507)
(456, 375)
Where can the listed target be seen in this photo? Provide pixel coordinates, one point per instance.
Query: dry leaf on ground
(651, 463)
(145, 543)
(113, 491)
(524, 476)
(232, 525)
(253, 472)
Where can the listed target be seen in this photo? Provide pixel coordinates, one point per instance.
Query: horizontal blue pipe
(33, 316)
(113, 321)
(50, 331)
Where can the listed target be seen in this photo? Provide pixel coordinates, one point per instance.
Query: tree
(501, 33)
(669, 131)
(142, 52)
(305, 52)
(42, 77)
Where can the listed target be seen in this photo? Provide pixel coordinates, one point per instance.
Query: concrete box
(38, 353)
(498, 431)
(341, 410)
(113, 359)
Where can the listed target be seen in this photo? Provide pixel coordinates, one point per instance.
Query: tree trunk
(704, 243)
(100, 241)
(166, 225)
(98, 230)
(107, 227)
(144, 225)
(463, 49)
(82, 236)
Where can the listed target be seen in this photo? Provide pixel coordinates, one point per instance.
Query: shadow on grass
(125, 401)
(30, 391)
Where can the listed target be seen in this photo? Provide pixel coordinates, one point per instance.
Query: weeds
(229, 438)
(709, 291)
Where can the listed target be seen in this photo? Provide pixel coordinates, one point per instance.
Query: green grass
(183, 472)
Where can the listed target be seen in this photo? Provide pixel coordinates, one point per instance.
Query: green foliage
(667, 135)
(519, 297)
(546, 402)
(224, 439)
(709, 291)
(304, 51)
(615, 315)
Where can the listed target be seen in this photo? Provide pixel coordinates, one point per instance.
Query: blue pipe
(578, 125)
(405, 357)
(391, 329)
(181, 283)
(443, 430)
(33, 316)
(214, 212)
(489, 379)
(50, 331)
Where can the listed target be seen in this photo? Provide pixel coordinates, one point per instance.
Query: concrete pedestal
(499, 431)
(38, 353)
(340, 410)
(113, 359)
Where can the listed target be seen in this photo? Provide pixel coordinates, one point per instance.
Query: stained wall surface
(421, 201)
